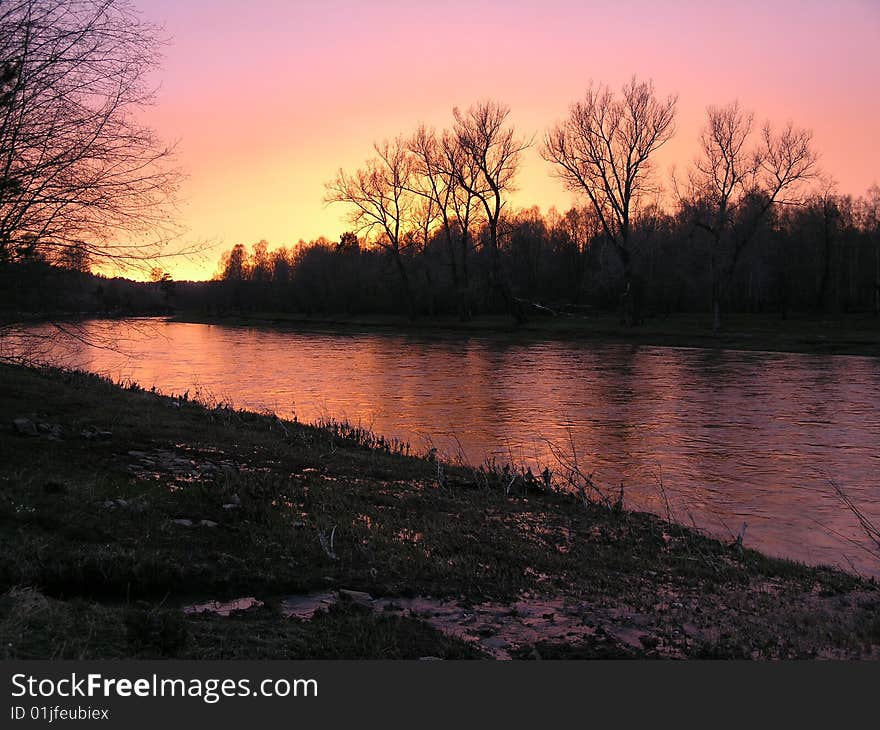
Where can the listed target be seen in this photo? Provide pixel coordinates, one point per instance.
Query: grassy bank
(855, 334)
(120, 508)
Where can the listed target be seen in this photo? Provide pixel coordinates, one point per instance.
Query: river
(733, 436)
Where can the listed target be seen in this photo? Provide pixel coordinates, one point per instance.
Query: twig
(327, 544)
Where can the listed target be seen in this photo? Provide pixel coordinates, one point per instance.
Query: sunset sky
(268, 98)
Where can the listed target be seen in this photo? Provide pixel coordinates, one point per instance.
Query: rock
(25, 426)
(235, 499)
(358, 597)
(183, 523)
(495, 643)
(90, 432)
(52, 430)
(120, 503)
(207, 523)
(306, 606)
(229, 505)
(225, 608)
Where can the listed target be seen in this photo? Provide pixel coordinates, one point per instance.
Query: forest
(753, 225)
(818, 257)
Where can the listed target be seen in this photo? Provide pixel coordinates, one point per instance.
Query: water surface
(734, 436)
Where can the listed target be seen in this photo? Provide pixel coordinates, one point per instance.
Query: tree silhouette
(734, 186)
(604, 149)
(489, 147)
(444, 175)
(234, 264)
(382, 202)
(79, 175)
(871, 223)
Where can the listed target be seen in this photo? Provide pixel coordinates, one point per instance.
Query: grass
(128, 505)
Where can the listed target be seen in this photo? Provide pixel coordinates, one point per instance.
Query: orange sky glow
(267, 99)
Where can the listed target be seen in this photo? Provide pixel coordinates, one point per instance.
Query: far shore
(850, 334)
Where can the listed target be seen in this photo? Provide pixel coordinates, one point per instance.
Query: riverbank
(139, 525)
(856, 334)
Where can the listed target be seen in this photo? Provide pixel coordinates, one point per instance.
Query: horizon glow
(268, 99)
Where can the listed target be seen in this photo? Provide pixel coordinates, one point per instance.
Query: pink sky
(268, 98)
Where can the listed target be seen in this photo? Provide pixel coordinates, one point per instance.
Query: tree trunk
(825, 283)
(450, 249)
(498, 280)
(407, 287)
(581, 274)
(464, 294)
(716, 289)
(877, 280)
(630, 301)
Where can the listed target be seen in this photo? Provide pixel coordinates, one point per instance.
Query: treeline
(35, 287)
(821, 256)
(751, 226)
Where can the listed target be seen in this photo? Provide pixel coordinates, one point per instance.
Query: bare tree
(80, 176)
(464, 172)
(723, 176)
(436, 185)
(382, 202)
(604, 149)
(489, 147)
(83, 182)
(734, 185)
(439, 165)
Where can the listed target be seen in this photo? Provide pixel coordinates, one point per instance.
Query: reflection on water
(735, 436)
